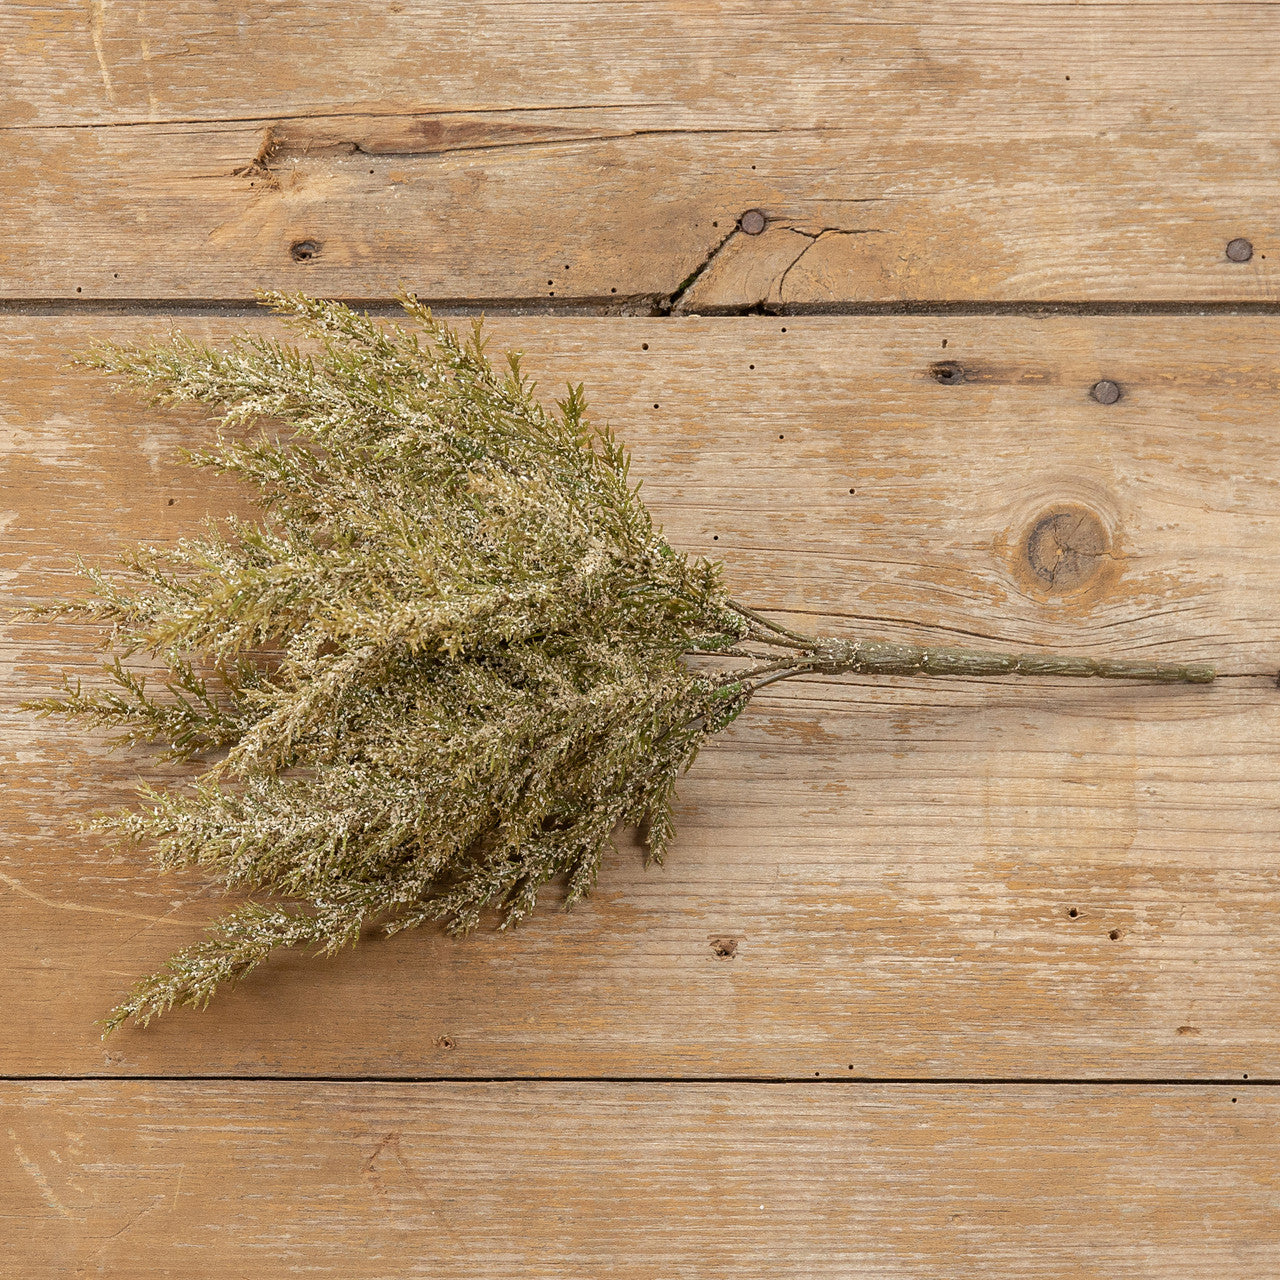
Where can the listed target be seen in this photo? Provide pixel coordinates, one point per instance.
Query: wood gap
(834, 1078)
(648, 306)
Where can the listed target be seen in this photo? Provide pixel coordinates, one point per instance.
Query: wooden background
(941, 979)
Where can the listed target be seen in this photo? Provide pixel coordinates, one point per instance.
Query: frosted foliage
(445, 666)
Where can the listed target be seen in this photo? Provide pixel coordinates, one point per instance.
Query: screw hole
(715, 537)
(1114, 935)
(750, 366)
(172, 501)
(304, 250)
(613, 291)
(656, 406)
(944, 344)
(644, 346)
(77, 288)
(853, 491)
(947, 372)
(781, 436)
(1073, 912)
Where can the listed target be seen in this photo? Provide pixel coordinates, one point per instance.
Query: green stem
(795, 641)
(834, 656)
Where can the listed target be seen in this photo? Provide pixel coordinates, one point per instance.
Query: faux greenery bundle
(453, 657)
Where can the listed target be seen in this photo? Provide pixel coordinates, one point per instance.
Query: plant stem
(795, 639)
(835, 656)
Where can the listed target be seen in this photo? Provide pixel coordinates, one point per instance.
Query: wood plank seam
(648, 306)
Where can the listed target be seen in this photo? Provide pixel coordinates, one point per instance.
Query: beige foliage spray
(451, 659)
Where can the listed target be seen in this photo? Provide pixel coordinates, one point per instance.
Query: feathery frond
(476, 635)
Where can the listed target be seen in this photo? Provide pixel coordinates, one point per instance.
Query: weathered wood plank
(913, 878)
(604, 150)
(363, 1181)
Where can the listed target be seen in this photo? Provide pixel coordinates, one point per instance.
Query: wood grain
(961, 878)
(518, 1180)
(604, 151)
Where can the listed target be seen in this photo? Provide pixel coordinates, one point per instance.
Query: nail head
(304, 250)
(752, 222)
(1105, 392)
(1239, 250)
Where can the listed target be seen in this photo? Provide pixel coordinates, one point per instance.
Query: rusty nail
(1105, 392)
(303, 250)
(947, 372)
(752, 222)
(1239, 250)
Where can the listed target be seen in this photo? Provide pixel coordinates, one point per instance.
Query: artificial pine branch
(451, 659)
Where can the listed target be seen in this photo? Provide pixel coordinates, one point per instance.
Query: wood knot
(1065, 548)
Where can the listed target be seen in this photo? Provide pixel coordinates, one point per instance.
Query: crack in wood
(672, 303)
(567, 138)
(814, 238)
(338, 115)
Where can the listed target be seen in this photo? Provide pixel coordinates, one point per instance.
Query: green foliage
(450, 660)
